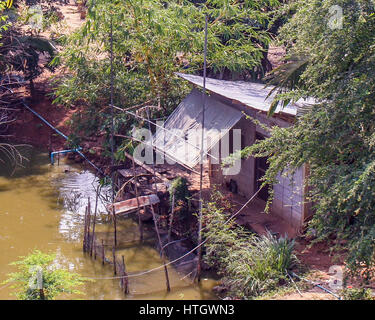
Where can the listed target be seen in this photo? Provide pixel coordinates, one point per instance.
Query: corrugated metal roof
(251, 94)
(186, 123)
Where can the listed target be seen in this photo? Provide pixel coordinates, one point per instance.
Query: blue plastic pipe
(62, 152)
(58, 131)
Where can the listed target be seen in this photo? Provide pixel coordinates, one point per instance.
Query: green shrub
(179, 189)
(250, 265)
(357, 294)
(38, 278)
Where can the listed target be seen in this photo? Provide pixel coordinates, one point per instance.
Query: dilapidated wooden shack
(226, 107)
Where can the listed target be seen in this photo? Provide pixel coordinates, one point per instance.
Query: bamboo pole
(114, 260)
(198, 275)
(153, 162)
(112, 139)
(88, 225)
(95, 246)
(171, 219)
(85, 231)
(161, 249)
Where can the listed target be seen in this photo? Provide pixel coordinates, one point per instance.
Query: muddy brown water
(42, 207)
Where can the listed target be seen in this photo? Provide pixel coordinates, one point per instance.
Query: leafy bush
(250, 265)
(179, 189)
(39, 279)
(357, 294)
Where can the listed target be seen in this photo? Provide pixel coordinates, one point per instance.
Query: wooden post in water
(95, 245)
(94, 222)
(103, 254)
(138, 207)
(171, 220)
(114, 221)
(88, 241)
(85, 231)
(114, 260)
(125, 279)
(161, 248)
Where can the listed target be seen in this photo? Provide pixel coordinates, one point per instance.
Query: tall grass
(250, 265)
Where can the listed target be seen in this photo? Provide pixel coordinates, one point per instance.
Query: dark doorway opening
(261, 167)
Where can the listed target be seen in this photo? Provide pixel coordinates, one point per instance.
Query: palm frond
(285, 78)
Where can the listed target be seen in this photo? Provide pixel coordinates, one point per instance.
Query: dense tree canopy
(153, 39)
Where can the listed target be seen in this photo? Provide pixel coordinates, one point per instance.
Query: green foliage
(17, 53)
(151, 41)
(22, 52)
(4, 23)
(180, 190)
(357, 294)
(39, 278)
(250, 265)
(335, 137)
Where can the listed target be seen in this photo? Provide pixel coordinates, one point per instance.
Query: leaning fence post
(94, 222)
(161, 248)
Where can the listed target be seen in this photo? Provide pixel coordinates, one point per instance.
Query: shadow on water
(34, 164)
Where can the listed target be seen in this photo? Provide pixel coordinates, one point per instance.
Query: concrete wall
(288, 194)
(288, 198)
(245, 179)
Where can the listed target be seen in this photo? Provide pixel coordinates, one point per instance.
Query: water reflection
(42, 207)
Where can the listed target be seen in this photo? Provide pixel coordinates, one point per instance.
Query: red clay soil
(254, 218)
(318, 256)
(31, 130)
(28, 128)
